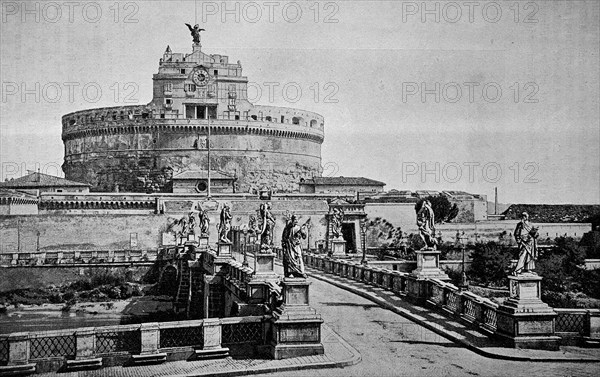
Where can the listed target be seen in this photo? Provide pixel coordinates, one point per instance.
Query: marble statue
(293, 265)
(204, 222)
(526, 236)
(426, 224)
(337, 218)
(266, 229)
(225, 224)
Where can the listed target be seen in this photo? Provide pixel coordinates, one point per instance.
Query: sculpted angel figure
(266, 229)
(204, 222)
(195, 31)
(426, 224)
(225, 224)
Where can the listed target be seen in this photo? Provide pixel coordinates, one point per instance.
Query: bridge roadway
(392, 345)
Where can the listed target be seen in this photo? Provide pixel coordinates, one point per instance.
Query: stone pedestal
(264, 265)
(203, 242)
(296, 326)
(338, 249)
(428, 267)
(224, 249)
(524, 320)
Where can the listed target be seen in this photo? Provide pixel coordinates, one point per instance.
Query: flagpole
(208, 148)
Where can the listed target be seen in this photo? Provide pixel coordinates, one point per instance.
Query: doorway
(349, 234)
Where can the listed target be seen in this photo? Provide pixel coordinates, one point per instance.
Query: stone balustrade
(574, 326)
(62, 258)
(117, 345)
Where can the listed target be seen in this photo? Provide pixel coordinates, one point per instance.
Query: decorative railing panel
(53, 346)
(452, 300)
(570, 321)
(4, 351)
(181, 337)
(490, 317)
(243, 332)
(118, 341)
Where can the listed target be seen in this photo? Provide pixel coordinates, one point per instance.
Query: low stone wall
(117, 345)
(575, 326)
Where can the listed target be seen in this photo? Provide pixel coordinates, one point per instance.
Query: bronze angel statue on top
(195, 31)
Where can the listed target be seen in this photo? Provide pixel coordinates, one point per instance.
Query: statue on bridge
(293, 265)
(266, 228)
(204, 222)
(526, 236)
(426, 224)
(225, 224)
(337, 219)
(191, 223)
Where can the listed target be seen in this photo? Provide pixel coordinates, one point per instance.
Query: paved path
(392, 345)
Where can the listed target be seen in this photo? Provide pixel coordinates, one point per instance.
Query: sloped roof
(203, 174)
(7, 193)
(553, 213)
(35, 180)
(17, 197)
(344, 181)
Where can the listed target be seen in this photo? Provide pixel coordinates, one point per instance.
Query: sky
(420, 95)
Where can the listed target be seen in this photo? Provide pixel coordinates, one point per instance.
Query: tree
(490, 264)
(443, 210)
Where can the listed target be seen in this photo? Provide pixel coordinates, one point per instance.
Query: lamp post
(363, 231)
(464, 283)
(245, 249)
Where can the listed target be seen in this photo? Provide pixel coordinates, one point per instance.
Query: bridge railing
(572, 325)
(52, 349)
(62, 257)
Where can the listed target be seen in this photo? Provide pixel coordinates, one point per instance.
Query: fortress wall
(119, 145)
(112, 231)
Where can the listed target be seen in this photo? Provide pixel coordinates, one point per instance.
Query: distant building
(196, 182)
(35, 183)
(17, 203)
(321, 185)
(397, 206)
(554, 213)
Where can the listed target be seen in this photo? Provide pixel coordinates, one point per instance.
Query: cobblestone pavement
(391, 345)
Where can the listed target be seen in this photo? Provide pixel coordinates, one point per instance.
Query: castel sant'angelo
(140, 148)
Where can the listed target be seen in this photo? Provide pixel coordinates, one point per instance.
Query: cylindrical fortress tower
(139, 148)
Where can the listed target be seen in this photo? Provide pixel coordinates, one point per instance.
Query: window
(168, 87)
(282, 119)
(201, 186)
(182, 71)
(189, 87)
(295, 120)
(254, 117)
(269, 119)
(216, 72)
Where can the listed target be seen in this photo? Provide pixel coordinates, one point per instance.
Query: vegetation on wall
(443, 210)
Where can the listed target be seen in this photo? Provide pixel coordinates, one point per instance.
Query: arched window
(313, 123)
(269, 119)
(295, 120)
